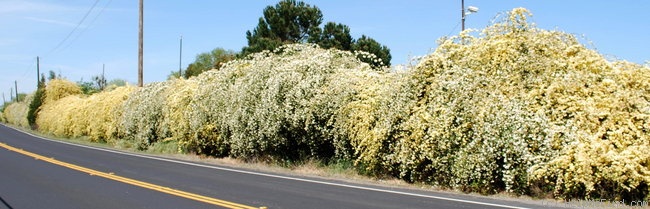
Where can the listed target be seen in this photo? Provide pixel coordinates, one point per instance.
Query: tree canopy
(371, 46)
(289, 21)
(292, 21)
(207, 61)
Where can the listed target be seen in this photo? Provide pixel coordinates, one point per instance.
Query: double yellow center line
(134, 182)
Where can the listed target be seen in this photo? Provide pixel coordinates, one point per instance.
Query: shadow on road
(4, 203)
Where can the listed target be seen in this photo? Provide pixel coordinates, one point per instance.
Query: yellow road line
(134, 182)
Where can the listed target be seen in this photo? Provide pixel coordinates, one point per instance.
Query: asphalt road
(48, 177)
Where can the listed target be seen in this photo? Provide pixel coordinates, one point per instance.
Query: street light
(470, 10)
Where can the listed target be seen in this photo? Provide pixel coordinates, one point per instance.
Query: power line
(75, 28)
(90, 24)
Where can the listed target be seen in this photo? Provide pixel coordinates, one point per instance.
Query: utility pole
(140, 45)
(103, 80)
(16, 84)
(180, 59)
(38, 72)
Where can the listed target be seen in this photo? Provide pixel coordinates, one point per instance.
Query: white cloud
(51, 21)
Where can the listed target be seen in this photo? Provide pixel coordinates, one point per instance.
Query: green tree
(371, 46)
(292, 21)
(289, 21)
(87, 87)
(335, 36)
(52, 75)
(208, 61)
(35, 105)
(116, 83)
(100, 82)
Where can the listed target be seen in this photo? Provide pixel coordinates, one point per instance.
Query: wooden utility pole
(180, 59)
(38, 72)
(140, 45)
(102, 81)
(16, 84)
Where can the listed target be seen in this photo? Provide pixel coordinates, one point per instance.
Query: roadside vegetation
(511, 108)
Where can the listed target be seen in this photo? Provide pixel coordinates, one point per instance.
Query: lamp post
(470, 10)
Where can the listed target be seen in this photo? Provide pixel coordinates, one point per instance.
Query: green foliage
(290, 21)
(35, 105)
(99, 82)
(208, 61)
(52, 75)
(117, 83)
(334, 36)
(293, 21)
(20, 97)
(382, 53)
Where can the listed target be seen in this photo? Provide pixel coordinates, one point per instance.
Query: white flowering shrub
(606, 110)
(280, 104)
(515, 105)
(369, 123)
(141, 117)
(176, 112)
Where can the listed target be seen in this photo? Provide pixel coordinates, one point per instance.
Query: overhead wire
(26, 71)
(75, 28)
(89, 24)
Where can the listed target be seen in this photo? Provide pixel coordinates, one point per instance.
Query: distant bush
(16, 112)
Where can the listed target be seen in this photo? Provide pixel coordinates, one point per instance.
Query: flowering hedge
(279, 104)
(515, 108)
(76, 115)
(518, 105)
(141, 116)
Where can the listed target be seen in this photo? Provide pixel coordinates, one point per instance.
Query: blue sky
(54, 30)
